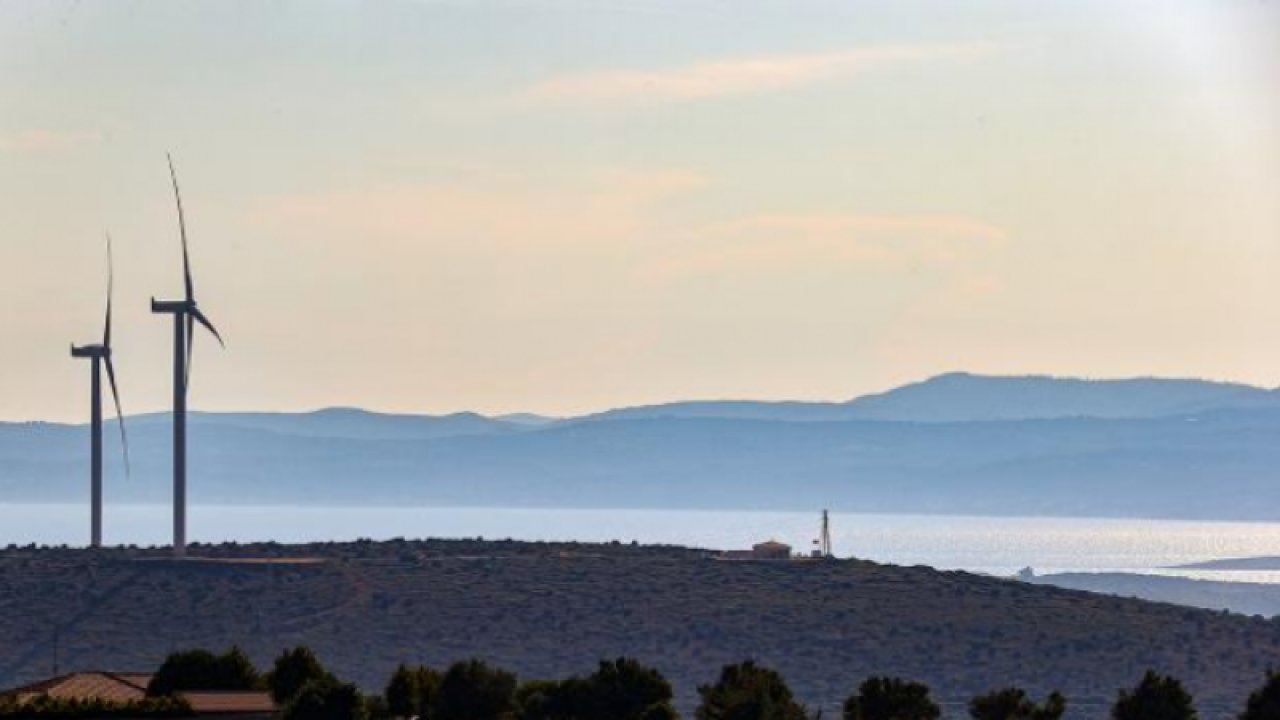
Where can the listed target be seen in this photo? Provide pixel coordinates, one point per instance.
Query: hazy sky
(565, 206)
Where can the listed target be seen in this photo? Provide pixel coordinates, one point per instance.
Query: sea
(991, 545)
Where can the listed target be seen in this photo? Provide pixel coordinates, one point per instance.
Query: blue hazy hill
(345, 423)
(1201, 461)
(958, 397)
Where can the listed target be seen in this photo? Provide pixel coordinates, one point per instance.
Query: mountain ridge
(1209, 462)
(1044, 397)
(965, 396)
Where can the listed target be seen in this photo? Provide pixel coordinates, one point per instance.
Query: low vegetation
(552, 610)
(46, 707)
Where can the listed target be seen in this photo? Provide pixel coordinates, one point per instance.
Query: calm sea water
(996, 545)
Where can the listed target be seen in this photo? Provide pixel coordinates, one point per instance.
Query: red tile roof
(127, 686)
(210, 701)
(117, 687)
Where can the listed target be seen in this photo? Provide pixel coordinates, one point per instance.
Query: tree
(237, 672)
(202, 670)
(1014, 704)
(1264, 703)
(624, 689)
(472, 690)
(326, 699)
(747, 691)
(621, 689)
(551, 699)
(886, 698)
(1156, 697)
(412, 691)
(293, 669)
(662, 711)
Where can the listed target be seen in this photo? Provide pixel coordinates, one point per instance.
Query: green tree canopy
(624, 689)
(326, 699)
(747, 691)
(1264, 703)
(889, 698)
(293, 669)
(202, 670)
(661, 711)
(412, 691)
(1156, 697)
(621, 689)
(551, 699)
(472, 690)
(1014, 704)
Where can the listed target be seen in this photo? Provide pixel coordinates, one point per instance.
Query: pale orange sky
(560, 207)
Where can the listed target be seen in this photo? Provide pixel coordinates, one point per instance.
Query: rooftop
(117, 687)
(132, 686)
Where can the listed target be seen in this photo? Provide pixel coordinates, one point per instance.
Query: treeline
(620, 689)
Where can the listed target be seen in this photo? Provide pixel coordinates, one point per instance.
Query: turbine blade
(191, 341)
(182, 229)
(199, 316)
(115, 395)
(106, 331)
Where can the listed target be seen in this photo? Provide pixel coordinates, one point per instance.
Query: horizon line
(554, 417)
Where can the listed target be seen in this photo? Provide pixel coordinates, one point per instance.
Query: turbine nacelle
(172, 307)
(90, 351)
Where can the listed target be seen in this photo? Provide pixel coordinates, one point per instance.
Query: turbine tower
(100, 355)
(185, 315)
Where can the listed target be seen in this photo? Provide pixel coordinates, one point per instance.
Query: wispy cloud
(735, 76)
(579, 213)
(771, 243)
(622, 219)
(47, 141)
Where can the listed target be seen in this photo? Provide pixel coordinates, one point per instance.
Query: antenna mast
(824, 541)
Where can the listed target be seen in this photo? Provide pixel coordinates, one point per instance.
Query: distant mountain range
(351, 423)
(956, 443)
(963, 397)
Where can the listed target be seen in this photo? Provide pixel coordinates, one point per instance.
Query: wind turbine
(185, 315)
(100, 355)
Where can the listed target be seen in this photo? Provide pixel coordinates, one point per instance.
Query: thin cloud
(47, 141)
(769, 243)
(734, 77)
(598, 210)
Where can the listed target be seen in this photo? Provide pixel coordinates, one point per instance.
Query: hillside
(1247, 563)
(352, 423)
(1103, 448)
(967, 397)
(958, 397)
(1246, 598)
(1210, 466)
(825, 625)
